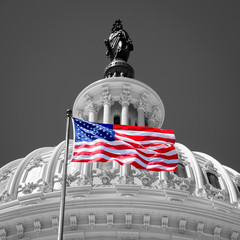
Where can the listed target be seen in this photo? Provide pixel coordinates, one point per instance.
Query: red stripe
(120, 156)
(124, 155)
(141, 128)
(144, 138)
(135, 164)
(125, 146)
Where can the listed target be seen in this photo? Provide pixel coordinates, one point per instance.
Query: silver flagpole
(64, 178)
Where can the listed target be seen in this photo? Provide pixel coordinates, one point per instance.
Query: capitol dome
(201, 200)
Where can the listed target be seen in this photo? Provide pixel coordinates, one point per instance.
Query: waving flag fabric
(146, 148)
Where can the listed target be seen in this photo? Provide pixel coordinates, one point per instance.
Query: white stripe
(92, 157)
(125, 139)
(124, 151)
(120, 142)
(146, 133)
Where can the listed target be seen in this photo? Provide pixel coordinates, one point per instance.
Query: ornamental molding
(20, 230)
(182, 225)
(146, 221)
(5, 175)
(106, 96)
(143, 102)
(217, 232)
(125, 96)
(153, 118)
(90, 105)
(73, 222)
(37, 226)
(55, 223)
(200, 227)
(128, 235)
(91, 220)
(109, 220)
(164, 223)
(3, 234)
(128, 220)
(81, 115)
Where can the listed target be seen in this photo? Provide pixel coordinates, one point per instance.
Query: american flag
(146, 148)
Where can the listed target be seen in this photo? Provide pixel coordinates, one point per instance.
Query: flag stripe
(141, 128)
(120, 145)
(144, 138)
(123, 153)
(130, 160)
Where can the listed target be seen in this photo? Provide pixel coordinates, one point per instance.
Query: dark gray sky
(187, 51)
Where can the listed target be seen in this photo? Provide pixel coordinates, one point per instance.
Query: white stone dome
(201, 200)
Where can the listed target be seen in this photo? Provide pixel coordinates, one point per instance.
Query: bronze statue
(119, 45)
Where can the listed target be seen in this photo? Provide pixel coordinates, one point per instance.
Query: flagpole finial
(69, 113)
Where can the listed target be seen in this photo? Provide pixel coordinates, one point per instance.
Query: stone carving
(153, 119)
(119, 45)
(128, 235)
(147, 178)
(146, 221)
(106, 176)
(182, 225)
(55, 223)
(3, 234)
(126, 179)
(80, 115)
(37, 226)
(20, 230)
(234, 235)
(45, 187)
(28, 187)
(35, 162)
(109, 220)
(6, 197)
(142, 103)
(91, 220)
(125, 97)
(90, 105)
(106, 96)
(200, 227)
(217, 232)
(164, 222)
(128, 220)
(5, 175)
(73, 222)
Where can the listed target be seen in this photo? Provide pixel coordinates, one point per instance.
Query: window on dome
(213, 180)
(181, 171)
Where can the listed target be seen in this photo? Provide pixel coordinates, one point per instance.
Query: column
(91, 109)
(152, 117)
(125, 99)
(141, 106)
(107, 102)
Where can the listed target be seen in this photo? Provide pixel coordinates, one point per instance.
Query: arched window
(213, 180)
(181, 171)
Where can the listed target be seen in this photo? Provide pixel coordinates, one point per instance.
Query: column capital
(90, 105)
(106, 96)
(153, 116)
(81, 115)
(142, 103)
(125, 97)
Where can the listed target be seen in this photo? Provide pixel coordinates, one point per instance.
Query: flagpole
(64, 178)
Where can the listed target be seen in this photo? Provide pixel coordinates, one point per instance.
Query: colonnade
(125, 99)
